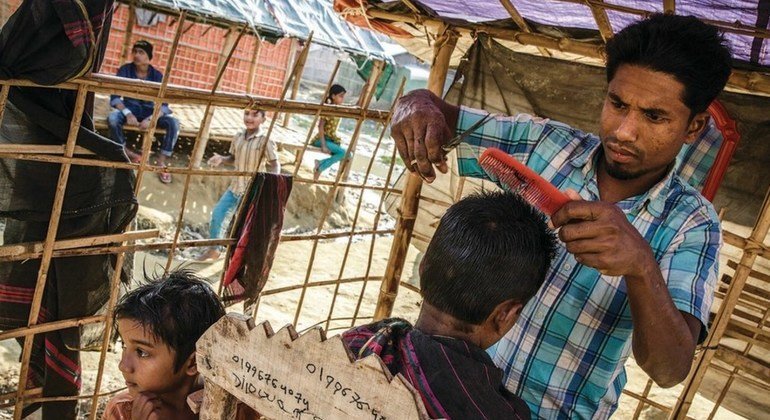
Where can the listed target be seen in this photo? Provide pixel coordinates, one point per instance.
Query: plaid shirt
(565, 355)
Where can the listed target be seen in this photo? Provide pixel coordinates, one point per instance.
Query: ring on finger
(413, 162)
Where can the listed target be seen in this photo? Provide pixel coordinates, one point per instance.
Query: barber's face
(139, 57)
(644, 124)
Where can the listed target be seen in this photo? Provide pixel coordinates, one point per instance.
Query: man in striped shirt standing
(249, 151)
(637, 264)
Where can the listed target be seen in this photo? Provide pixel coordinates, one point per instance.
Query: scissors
(456, 140)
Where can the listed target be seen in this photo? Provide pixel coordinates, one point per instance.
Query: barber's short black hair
(684, 47)
(489, 247)
(176, 308)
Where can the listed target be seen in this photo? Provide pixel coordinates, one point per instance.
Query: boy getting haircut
(159, 324)
(487, 258)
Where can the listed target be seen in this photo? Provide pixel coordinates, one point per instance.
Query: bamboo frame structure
(720, 323)
(410, 200)
(743, 80)
(400, 235)
(740, 80)
(132, 241)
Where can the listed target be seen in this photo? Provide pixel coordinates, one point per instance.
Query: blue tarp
(746, 48)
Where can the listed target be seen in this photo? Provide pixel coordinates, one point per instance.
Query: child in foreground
(487, 258)
(159, 324)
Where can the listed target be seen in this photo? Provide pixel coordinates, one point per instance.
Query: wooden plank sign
(283, 375)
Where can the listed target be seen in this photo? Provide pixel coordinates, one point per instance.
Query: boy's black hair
(177, 309)
(489, 247)
(259, 111)
(691, 51)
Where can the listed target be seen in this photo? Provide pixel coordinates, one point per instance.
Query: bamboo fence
(147, 240)
(358, 233)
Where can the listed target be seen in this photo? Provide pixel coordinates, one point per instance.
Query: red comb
(514, 176)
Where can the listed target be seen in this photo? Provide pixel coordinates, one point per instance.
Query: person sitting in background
(138, 113)
(159, 324)
(246, 152)
(327, 138)
(488, 257)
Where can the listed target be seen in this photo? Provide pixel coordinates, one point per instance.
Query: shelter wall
(198, 54)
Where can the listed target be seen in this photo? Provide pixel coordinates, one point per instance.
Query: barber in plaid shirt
(637, 264)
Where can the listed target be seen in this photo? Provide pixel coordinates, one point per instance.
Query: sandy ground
(366, 256)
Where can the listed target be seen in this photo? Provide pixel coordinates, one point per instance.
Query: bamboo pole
(296, 73)
(518, 19)
(563, 44)
(287, 83)
(43, 149)
(374, 238)
(49, 326)
(642, 399)
(314, 284)
(253, 66)
(735, 370)
(602, 20)
(330, 196)
(722, 319)
(297, 80)
(157, 101)
(312, 129)
(141, 89)
(360, 202)
(751, 81)
(201, 141)
(29, 250)
(410, 200)
(107, 333)
(231, 42)
(370, 89)
(669, 6)
(114, 249)
(208, 172)
(53, 227)
(126, 49)
(3, 100)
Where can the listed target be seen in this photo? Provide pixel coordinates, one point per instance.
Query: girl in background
(327, 138)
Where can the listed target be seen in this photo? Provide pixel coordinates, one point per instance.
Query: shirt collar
(654, 199)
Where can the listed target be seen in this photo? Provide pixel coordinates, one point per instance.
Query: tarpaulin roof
(745, 47)
(744, 22)
(282, 18)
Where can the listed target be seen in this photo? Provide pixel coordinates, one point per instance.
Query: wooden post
(200, 145)
(410, 200)
(203, 137)
(253, 65)
(369, 90)
(50, 238)
(719, 325)
(295, 85)
(129, 32)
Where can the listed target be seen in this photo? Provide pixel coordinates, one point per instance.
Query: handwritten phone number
(340, 389)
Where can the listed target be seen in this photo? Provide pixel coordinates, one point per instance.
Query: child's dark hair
(258, 110)
(177, 309)
(691, 51)
(334, 90)
(489, 247)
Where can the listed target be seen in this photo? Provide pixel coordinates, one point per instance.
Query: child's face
(147, 364)
(252, 119)
(338, 98)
